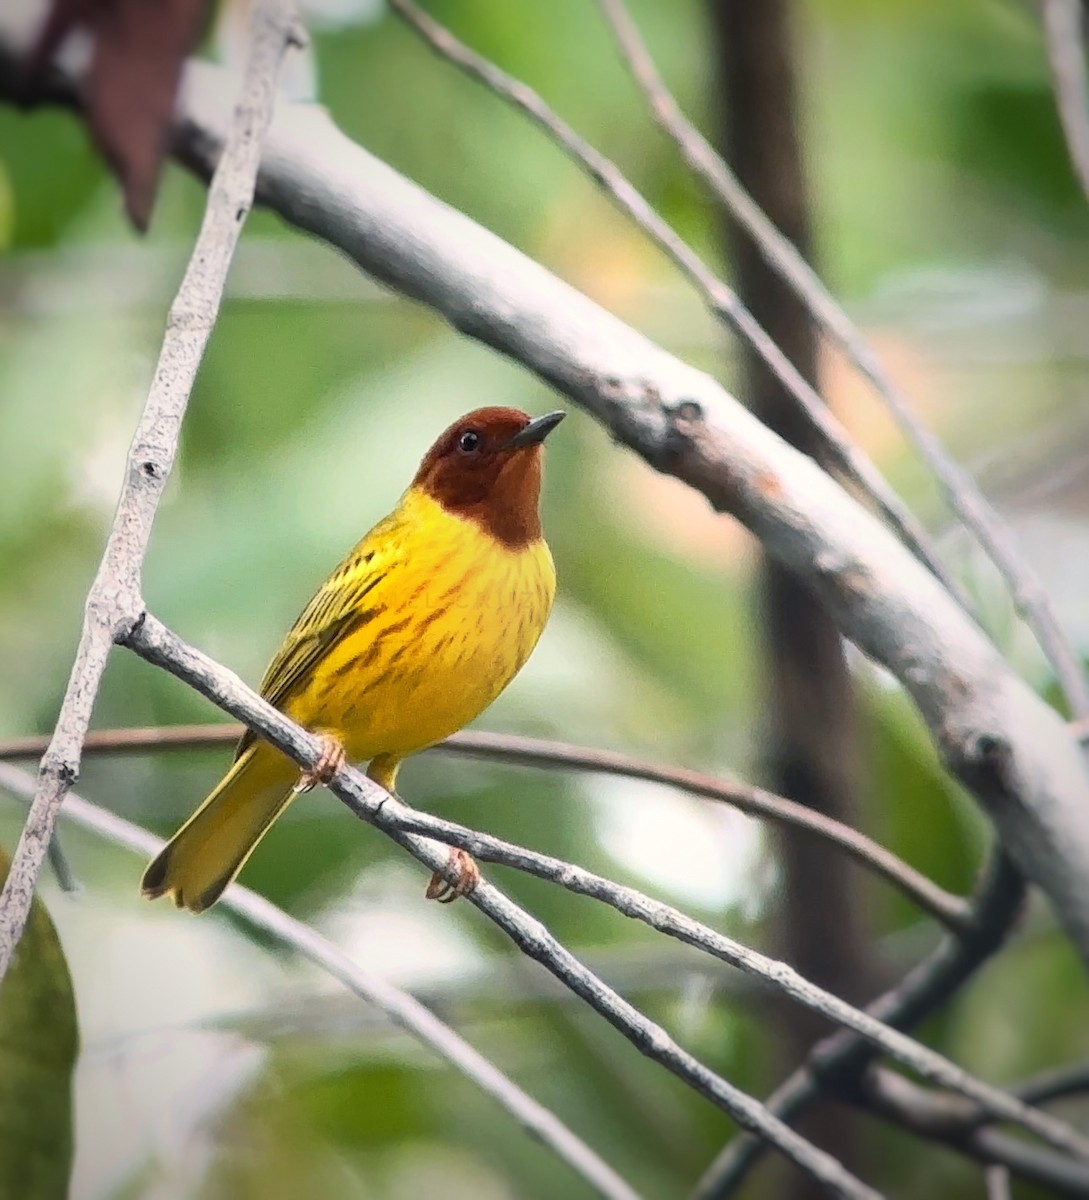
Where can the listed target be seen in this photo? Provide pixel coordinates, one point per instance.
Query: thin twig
(722, 301)
(1056, 1084)
(961, 491)
(1006, 745)
(62, 868)
(401, 1008)
(959, 1123)
(412, 829)
(938, 1118)
(1064, 34)
(114, 602)
(996, 1179)
(152, 641)
(952, 911)
(839, 1059)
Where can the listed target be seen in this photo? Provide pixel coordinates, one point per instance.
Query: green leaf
(39, 1041)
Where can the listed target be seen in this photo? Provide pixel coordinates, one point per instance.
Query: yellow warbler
(415, 633)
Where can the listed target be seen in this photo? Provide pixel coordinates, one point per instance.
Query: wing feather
(339, 607)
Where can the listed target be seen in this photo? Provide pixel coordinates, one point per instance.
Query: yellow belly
(460, 616)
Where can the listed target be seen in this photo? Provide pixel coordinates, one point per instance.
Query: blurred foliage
(950, 222)
(39, 1041)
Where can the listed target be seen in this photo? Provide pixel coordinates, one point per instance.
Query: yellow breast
(452, 617)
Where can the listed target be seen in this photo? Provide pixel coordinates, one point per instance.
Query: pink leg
(332, 758)
(467, 875)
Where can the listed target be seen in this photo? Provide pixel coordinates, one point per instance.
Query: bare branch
(1064, 33)
(411, 829)
(948, 1120)
(114, 603)
(838, 1060)
(159, 646)
(961, 491)
(996, 1179)
(722, 301)
(953, 1120)
(401, 1008)
(1009, 749)
(952, 911)
(1000, 739)
(1055, 1085)
(62, 868)
(933, 1117)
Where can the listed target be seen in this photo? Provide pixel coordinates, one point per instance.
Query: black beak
(537, 430)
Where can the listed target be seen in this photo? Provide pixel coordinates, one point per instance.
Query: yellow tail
(209, 850)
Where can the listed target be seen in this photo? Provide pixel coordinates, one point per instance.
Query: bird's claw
(462, 866)
(331, 759)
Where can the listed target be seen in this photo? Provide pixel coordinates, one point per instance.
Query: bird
(410, 638)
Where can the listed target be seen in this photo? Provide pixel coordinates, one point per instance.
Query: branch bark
(1004, 743)
(722, 302)
(838, 1060)
(933, 1117)
(1064, 36)
(1001, 740)
(951, 911)
(114, 603)
(159, 646)
(1012, 752)
(413, 830)
(401, 1008)
(783, 256)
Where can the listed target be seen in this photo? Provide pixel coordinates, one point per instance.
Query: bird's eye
(469, 441)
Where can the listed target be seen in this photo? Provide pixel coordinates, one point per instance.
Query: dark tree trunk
(810, 746)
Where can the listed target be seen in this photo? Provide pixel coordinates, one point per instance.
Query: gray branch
(412, 829)
(1056, 1084)
(837, 1061)
(996, 735)
(723, 303)
(114, 602)
(1064, 34)
(1002, 741)
(952, 911)
(402, 1009)
(158, 645)
(933, 1117)
(964, 497)
(996, 1179)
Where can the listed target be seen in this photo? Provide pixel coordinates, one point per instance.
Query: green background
(948, 221)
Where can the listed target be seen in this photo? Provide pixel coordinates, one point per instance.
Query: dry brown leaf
(138, 50)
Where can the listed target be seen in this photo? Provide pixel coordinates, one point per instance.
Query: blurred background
(945, 216)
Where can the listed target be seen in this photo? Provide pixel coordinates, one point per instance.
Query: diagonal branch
(1056, 1084)
(722, 301)
(1064, 33)
(401, 1008)
(114, 603)
(952, 911)
(961, 491)
(838, 1060)
(1011, 751)
(159, 646)
(931, 1116)
(996, 1179)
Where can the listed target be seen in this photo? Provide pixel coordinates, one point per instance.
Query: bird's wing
(339, 606)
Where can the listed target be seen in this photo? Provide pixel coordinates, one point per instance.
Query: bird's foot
(460, 866)
(331, 759)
